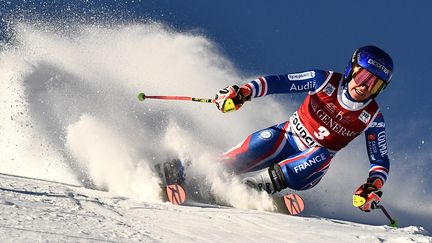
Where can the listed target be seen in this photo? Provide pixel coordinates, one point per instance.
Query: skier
(297, 153)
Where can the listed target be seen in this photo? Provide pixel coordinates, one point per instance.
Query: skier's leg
(306, 169)
(300, 171)
(261, 149)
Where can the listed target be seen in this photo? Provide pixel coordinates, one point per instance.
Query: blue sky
(287, 36)
(276, 37)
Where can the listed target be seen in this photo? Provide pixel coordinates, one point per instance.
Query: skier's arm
(377, 150)
(287, 83)
(379, 166)
(232, 97)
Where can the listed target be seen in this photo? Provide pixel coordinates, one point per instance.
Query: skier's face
(364, 84)
(359, 92)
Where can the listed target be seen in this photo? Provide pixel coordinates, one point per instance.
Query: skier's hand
(367, 196)
(230, 98)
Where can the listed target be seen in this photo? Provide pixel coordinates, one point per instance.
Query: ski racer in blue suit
(297, 153)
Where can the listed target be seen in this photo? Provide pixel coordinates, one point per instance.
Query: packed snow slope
(69, 113)
(37, 210)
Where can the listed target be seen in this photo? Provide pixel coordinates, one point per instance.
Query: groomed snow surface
(33, 210)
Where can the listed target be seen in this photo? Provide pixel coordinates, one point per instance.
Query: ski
(176, 194)
(175, 190)
(294, 203)
(172, 179)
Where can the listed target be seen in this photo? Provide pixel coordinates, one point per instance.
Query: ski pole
(359, 201)
(142, 97)
(393, 222)
(228, 106)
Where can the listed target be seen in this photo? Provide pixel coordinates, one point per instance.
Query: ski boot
(269, 179)
(170, 172)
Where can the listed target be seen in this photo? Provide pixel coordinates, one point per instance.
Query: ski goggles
(362, 76)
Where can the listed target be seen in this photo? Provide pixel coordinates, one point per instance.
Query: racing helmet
(370, 66)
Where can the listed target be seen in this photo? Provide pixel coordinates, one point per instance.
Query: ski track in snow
(34, 210)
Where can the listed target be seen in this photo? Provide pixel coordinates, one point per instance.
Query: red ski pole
(142, 97)
(227, 107)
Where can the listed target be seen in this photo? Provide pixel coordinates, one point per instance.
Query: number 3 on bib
(322, 132)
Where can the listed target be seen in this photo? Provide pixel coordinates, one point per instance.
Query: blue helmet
(373, 59)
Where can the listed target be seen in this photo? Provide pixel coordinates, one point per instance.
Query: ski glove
(230, 98)
(367, 196)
